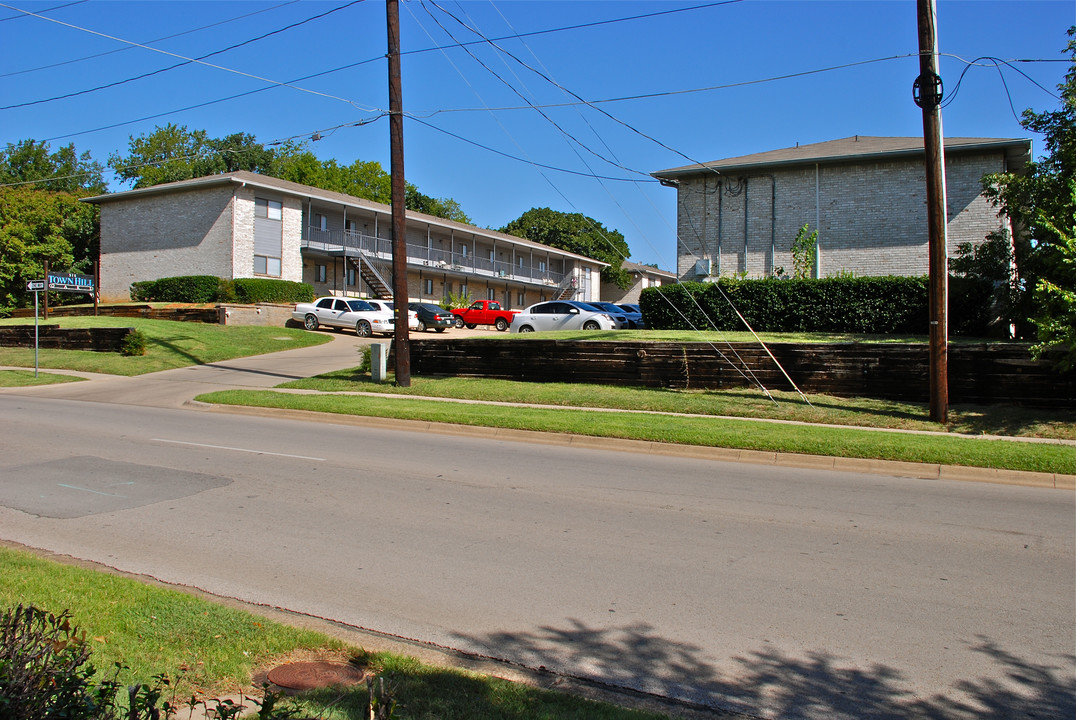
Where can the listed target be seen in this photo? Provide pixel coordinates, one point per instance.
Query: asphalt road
(774, 591)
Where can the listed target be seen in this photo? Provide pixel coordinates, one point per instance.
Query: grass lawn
(25, 378)
(170, 344)
(212, 650)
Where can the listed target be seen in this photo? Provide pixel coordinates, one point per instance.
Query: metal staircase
(567, 288)
(369, 272)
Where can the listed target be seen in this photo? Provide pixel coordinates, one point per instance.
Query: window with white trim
(491, 294)
(268, 235)
(321, 273)
(429, 287)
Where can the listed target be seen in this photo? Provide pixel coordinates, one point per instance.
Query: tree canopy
(575, 233)
(1042, 201)
(30, 163)
(173, 153)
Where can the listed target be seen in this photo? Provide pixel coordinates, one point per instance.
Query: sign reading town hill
(70, 282)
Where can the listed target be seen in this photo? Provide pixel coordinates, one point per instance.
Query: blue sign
(70, 282)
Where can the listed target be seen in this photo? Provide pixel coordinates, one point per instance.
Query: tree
(38, 226)
(575, 233)
(172, 153)
(30, 162)
(1042, 205)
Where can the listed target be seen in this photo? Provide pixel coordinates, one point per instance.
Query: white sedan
(412, 316)
(343, 312)
(557, 315)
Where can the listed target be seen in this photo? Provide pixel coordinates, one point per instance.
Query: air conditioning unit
(702, 267)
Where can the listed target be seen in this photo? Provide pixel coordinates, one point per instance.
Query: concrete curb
(925, 471)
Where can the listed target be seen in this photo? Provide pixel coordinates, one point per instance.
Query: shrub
(134, 343)
(867, 305)
(270, 290)
(43, 666)
(181, 289)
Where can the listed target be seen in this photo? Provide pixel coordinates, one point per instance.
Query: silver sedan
(557, 315)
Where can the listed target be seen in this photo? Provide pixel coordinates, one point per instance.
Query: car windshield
(359, 305)
(608, 306)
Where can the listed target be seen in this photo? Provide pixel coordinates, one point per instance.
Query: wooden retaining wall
(185, 314)
(54, 337)
(978, 374)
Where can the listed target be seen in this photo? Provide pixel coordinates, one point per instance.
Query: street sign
(35, 285)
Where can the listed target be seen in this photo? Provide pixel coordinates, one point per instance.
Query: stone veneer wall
(872, 216)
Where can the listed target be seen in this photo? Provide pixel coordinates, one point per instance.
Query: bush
(863, 305)
(269, 290)
(44, 670)
(182, 289)
(134, 343)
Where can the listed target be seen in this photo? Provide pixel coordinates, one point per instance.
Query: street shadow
(771, 683)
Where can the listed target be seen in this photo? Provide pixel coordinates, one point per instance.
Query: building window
(321, 222)
(463, 251)
(268, 235)
(522, 298)
(491, 257)
(541, 265)
(521, 263)
(321, 274)
(491, 294)
(351, 280)
(429, 287)
(463, 289)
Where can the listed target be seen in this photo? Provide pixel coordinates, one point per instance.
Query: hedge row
(210, 288)
(866, 305)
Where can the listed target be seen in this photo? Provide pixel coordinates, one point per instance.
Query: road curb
(925, 471)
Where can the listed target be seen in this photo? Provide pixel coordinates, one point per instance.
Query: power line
(148, 42)
(181, 64)
(55, 7)
(188, 59)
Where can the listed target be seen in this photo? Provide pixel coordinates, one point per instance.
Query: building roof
(244, 177)
(646, 269)
(858, 148)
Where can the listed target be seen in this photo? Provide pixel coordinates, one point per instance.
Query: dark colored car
(432, 317)
(613, 311)
(634, 314)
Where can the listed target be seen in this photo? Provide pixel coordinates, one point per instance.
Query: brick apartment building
(866, 196)
(242, 225)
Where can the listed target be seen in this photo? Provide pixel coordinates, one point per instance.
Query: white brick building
(242, 225)
(866, 196)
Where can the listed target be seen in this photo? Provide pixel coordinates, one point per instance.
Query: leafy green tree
(30, 162)
(1042, 202)
(804, 252)
(38, 226)
(575, 233)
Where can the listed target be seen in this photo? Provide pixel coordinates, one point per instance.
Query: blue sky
(663, 90)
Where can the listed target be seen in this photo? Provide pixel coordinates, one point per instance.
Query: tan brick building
(866, 196)
(242, 225)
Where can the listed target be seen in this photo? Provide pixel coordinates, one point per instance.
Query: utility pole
(399, 213)
(927, 92)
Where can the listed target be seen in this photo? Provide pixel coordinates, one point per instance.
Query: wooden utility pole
(928, 94)
(399, 213)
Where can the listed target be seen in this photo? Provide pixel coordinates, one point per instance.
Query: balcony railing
(422, 256)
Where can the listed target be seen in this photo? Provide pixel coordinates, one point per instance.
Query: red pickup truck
(484, 312)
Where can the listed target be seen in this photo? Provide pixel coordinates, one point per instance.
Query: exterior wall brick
(871, 217)
(164, 236)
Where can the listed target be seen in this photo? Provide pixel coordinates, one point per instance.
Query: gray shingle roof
(852, 149)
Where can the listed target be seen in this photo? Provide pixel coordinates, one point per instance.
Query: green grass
(25, 378)
(706, 431)
(170, 344)
(215, 650)
(746, 403)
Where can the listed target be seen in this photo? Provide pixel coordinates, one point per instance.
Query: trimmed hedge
(182, 289)
(866, 305)
(268, 290)
(210, 288)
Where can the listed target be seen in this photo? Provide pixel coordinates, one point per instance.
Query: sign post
(35, 286)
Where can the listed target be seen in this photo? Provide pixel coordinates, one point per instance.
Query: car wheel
(502, 325)
(310, 322)
(363, 329)
(525, 328)
(591, 325)
(459, 321)
(439, 329)
(471, 326)
(421, 326)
